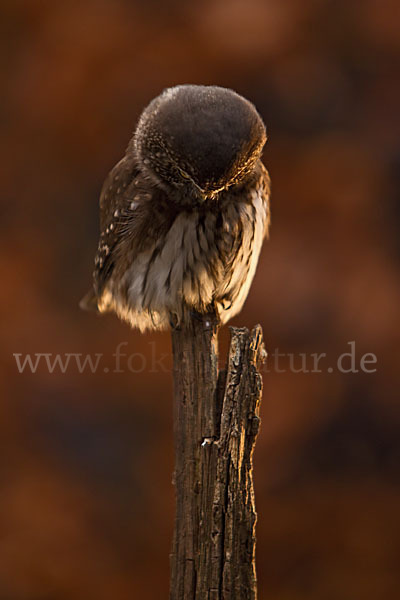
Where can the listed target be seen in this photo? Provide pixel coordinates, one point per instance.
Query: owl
(184, 213)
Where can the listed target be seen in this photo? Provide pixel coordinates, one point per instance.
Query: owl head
(199, 140)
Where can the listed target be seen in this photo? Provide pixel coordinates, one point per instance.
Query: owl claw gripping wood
(183, 215)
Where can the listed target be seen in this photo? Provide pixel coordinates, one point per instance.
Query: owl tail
(89, 301)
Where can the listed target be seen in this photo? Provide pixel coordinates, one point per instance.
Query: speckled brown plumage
(184, 213)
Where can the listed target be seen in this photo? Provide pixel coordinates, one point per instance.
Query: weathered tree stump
(216, 421)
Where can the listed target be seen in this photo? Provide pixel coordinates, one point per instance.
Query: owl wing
(134, 214)
(115, 199)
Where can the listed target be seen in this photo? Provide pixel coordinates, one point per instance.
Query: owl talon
(226, 304)
(174, 323)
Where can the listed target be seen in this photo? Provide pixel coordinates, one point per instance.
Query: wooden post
(216, 421)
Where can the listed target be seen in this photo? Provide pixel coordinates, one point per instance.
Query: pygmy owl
(183, 215)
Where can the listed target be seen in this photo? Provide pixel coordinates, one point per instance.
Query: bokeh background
(86, 500)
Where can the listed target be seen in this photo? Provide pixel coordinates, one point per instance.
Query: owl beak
(203, 194)
(212, 194)
(200, 193)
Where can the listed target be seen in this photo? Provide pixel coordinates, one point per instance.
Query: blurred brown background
(86, 499)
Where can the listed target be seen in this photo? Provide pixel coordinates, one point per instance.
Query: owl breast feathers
(172, 244)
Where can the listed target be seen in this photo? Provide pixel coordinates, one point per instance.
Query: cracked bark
(216, 421)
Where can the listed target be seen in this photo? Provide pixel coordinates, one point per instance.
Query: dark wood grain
(216, 421)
